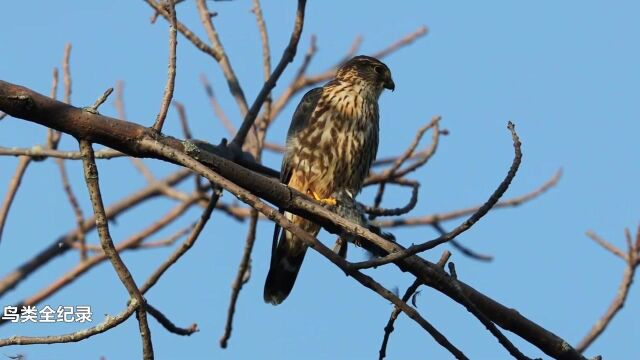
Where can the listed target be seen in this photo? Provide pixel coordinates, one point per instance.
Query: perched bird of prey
(331, 143)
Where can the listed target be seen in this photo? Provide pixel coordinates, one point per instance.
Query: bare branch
(91, 178)
(632, 261)
(39, 152)
(170, 326)
(182, 115)
(421, 31)
(377, 211)
(171, 77)
(76, 208)
(221, 57)
(395, 171)
(188, 243)
(215, 105)
(100, 101)
(440, 217)
(287, 57)
(388, 329)
(463, 249)
(607, 245)
(193, 38)
(66, 71)
(241, 278)
(14, 184)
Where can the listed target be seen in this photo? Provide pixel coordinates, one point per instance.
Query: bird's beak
(389, 84)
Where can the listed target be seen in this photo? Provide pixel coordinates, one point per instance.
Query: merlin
(331, 143)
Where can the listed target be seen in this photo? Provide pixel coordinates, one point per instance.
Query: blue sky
(565, 72)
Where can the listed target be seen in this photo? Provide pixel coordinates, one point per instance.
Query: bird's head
(367, 69)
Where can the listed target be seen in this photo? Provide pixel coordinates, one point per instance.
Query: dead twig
(287, 57)
(171, 77)
(463, 249)
(242, 277)
(632, 261)
(446, 216)
(76, 208)
(169, 325)
(38, 152)
(14, 185)
(388, 329)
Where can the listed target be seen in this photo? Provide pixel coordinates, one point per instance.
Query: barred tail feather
(285, 265)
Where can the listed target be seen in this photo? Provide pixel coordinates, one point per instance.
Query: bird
(330, 146)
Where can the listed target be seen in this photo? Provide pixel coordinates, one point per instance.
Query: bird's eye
(378, 69)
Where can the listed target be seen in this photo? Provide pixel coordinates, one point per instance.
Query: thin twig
(14, 184)
(53, 136)
(91, 178)
(170, 326)
(413, 201)
(632, 261)
(260, 127)
(118, 100)
(388, 329)
(221, 57)
(397, 163)
(287, 57)
(607, 245)
(241, 278)
(94, 108)
(421, 31)
(76, 209)
(440, 217)
(463, 249)
(66, 73)
(23, 162)
(39, 152)
(171, 77)
(182, 115)
(395, 171)
(215, 105)
(193, 38)
(187, 244)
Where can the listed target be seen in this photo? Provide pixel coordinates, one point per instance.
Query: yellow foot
(327, 201)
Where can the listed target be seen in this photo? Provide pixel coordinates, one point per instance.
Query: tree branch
(91, 178)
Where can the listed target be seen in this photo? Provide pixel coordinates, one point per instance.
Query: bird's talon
(324, 201)
(328, 201)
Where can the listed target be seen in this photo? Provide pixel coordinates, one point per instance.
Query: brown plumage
(331, 143)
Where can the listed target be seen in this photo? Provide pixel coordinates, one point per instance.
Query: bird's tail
(286, 261)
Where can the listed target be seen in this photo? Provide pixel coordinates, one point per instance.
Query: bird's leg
(324, 201)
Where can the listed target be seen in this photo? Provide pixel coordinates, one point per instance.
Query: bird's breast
(338, 146)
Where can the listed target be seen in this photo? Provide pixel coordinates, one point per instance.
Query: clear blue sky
(565, 72)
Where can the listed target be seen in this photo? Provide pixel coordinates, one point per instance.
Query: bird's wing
(299, 121)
